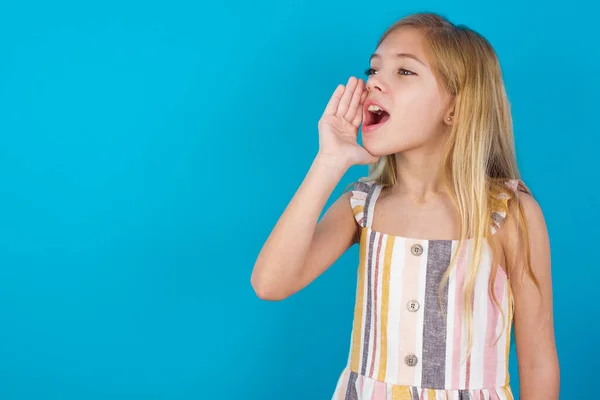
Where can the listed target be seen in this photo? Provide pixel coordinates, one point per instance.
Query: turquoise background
(147, 149)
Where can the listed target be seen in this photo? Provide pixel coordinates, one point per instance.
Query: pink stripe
(380, 391)
(490, 367)
(459, 301)
(468, 370)
(376, 310)
(494, 395)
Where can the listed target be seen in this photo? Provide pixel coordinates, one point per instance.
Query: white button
(412, 305)
(416, 249)
(411, 360)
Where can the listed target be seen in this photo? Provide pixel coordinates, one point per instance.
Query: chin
(377, 149)
(378, 144)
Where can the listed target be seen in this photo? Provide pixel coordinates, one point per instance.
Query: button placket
(412, 304)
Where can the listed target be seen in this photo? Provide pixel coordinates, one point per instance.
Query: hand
(338, 127)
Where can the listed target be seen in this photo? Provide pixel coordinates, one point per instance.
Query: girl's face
(402, 82)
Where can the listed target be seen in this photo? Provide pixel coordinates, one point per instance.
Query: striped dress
(402, 347)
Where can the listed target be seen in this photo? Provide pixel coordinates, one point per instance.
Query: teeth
(375, 109)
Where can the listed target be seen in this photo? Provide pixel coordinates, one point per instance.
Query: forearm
(541, 383)
(282, 258)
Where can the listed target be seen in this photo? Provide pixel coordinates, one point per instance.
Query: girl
(453, 247)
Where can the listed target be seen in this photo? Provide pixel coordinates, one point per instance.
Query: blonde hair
(479, 157)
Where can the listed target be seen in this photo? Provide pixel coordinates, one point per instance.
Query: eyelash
(370, 71)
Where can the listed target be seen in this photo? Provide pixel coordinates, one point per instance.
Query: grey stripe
(414, 393)
(369, 305)
(434, 325)
(351, 393)
(368, 188)
(464, 395)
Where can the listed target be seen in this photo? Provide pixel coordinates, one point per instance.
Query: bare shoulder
(344, 216)
(513, 236)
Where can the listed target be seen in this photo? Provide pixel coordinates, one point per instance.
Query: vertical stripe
(431, 394)
(358, 307)
(501, 366)
(369, 312)
(458, 312)
(414, 393)
(409, 320)
(463, 395)
(434, 330)
(369, 190)
(507, 392)
(375, 295)
(394, 313)
(372, 194)
(450, 322)
(385, 298)
(351, 393)
(419, 322)
(480, 318)
(491, 353)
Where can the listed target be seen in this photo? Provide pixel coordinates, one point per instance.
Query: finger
(334, 101)
(354, 103)
(359, 113)
(346, 97)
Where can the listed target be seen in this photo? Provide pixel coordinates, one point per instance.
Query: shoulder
(522, 205)
(362, 196)
(524, 225)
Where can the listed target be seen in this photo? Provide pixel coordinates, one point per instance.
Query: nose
(374, 83)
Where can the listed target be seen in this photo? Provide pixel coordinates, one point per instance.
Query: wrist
(334, 164)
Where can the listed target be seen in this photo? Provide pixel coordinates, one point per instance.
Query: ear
(449, 115)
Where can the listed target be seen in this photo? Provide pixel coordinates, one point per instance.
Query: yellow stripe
(431, 394)
(385, 298)
(358, 308)
(358, 209)
(401, 393)
(507, 393)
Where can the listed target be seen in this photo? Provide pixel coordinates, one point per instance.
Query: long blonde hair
(479, 157)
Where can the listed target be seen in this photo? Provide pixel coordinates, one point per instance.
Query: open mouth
(375, 117)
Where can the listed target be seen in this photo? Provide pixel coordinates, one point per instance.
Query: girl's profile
(454, 253)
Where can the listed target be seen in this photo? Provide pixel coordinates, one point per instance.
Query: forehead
(404, 40)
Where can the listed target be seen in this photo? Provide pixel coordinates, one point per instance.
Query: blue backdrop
(147, 149)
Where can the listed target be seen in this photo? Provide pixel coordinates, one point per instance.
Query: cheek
(418, 110)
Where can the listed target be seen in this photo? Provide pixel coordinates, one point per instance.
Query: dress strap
(501, 200)
(363, 199)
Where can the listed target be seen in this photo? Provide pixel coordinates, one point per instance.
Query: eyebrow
(401, 55)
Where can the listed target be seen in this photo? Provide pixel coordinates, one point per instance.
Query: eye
(403, 71)
(369, 71)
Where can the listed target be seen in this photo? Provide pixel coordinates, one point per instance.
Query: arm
(298, 249)
(539, 373)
